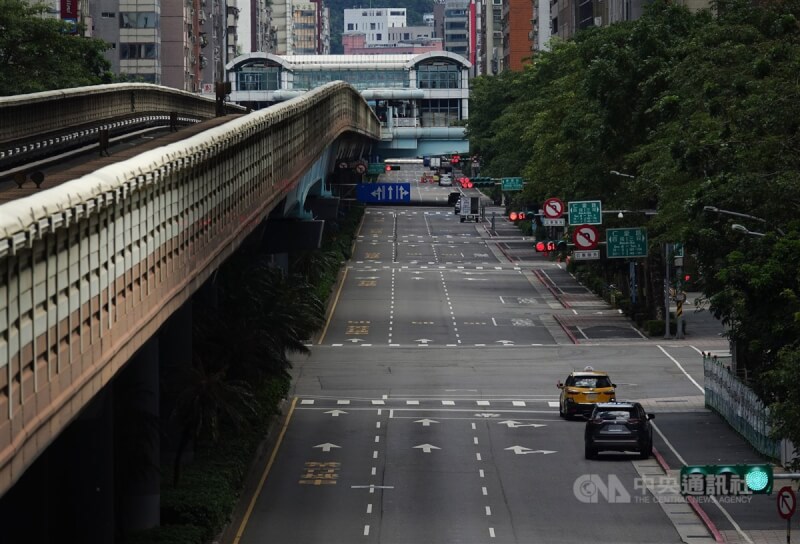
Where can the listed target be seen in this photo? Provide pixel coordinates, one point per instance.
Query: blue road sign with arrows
(383, 192)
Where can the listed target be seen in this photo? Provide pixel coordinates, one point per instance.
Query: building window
(379, 36)
(133, 51)
(108, 15)
(439, 113)
(350, 26)
(372, 26)
(438, 76)
(138, 19)
(255, 77)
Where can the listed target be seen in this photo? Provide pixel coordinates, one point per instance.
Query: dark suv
(619, 426)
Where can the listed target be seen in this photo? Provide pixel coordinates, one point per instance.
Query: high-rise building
(262, 33)
(301, 27)
(457, 27)
(375, 23)
(491, 31)
(517, 33)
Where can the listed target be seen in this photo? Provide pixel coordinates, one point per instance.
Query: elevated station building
(422, 100)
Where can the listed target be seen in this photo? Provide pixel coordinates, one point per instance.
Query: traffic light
(726, 479)
(517, 216)
(482, 181)
(550, 245)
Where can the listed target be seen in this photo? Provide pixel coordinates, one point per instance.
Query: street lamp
(741, 228)
(737, 214)
(621, 174)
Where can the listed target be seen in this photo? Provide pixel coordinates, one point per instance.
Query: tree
(40, 53)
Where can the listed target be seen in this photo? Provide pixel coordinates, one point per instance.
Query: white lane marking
(574, 311)
(340, 401)
(488, 510)
(366, 530)
(473, 426)
(484, 491)
(375, 454)
(377, 424)
(553, 403)
(713, 498)
(478, 456)
(481, 473)
(482, 403)
(491, 532)
(518, 403)
(697, 350)
(378, 402)
(307, 401)
(682, 370)
(369, 509)
(374, 471)
(475, 440)
(377, 439)
(413, 402)
(448, 403)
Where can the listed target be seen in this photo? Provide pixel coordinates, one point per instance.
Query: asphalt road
(427, 411)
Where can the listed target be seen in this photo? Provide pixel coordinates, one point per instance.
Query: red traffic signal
(550, 245)
(388, 167)
(517, 216)
(687, 277)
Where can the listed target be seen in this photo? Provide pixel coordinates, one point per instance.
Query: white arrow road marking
(423, 340)
(486, 414)
(354, 340)
(426, 447)
(514, 424)
(335, 413)
(504, 342)
(327, 446)
(426, 422)
(522, 450)
(417, 278)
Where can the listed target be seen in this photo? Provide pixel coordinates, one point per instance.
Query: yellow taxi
(582, 390)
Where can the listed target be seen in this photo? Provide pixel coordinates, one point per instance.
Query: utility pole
(667, 252)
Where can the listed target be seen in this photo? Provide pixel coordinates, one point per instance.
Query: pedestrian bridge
(91, 268)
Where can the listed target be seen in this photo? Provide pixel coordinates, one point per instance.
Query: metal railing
(738, 405)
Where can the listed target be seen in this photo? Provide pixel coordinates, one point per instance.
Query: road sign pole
(789, 531)
(667, 248)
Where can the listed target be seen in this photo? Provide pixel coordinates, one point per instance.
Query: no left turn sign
(553, 208)
(786, 502)
(585, 237)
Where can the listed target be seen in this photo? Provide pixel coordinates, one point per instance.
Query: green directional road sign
(623, 243)
(585, 212)
(375, 169)
(511, 184)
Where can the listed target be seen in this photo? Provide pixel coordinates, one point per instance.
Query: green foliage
(39, 53)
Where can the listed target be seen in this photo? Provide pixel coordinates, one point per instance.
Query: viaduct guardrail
(90, 269)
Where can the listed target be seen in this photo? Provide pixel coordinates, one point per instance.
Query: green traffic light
(758, 479)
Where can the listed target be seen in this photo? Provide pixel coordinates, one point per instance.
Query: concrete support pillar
(175, 355)
(138, 440)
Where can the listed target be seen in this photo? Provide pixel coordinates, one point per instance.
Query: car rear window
(589, 381)
(616, 413)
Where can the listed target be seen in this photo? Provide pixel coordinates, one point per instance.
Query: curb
(692, 502)
(538, 275)
(565, 329)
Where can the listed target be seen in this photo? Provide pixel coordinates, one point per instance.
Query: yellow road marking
(367, 283)
(372, 255)
(333, 308)
(257, 492)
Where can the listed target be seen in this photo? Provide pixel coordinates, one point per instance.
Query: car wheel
(589, 452)
(645, 453)
(561, 411)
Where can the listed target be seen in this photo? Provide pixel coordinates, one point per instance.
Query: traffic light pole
(667, 248)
